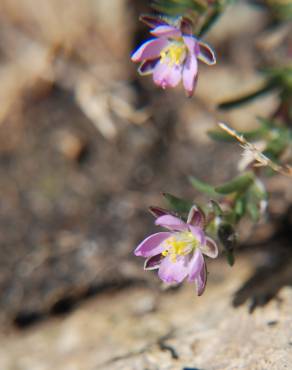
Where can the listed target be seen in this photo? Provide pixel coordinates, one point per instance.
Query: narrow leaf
(238, 184)
(215, 206)
(240, 207)
(230, 258)
(253, 211)
(249, 97)
(177, 204)
(178, 7)
(210, 21)
(227, 237)
(203, 187)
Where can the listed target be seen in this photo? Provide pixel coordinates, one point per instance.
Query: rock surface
(143, 328)
(85, 147)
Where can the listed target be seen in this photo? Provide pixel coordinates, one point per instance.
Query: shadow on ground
(268, 279)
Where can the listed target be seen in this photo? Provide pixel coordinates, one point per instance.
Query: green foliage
(227, 237)
(256, 198)
(281, 9)
(207, 11)
(179, 7)
(203, 187)
(215, 11)
(277, 78)
(238, 184)
(179, 205)
(241, 100)
(281, 76)
(239, 207)
(216, 208)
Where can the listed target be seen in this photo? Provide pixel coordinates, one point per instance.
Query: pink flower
(172, 55)
(178, 253)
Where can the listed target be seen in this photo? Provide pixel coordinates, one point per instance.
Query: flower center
(180, 244)
(173, 54)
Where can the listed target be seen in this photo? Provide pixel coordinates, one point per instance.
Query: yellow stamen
(180, 244)
(173, 54)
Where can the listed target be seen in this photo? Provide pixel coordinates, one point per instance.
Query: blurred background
(86, 145)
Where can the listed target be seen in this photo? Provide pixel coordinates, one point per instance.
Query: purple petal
(196, 217)
(152, 245)
(173, 272)
(186, 26)
(147, 67)
(167, 76)
(192, 45)
(198, 233)
(153, 263)
(195, 266)
(166, 31)
(152, 20)
(149, 50)
(201, 280)
(171, 222)
(206, 54)
(190, 73)
(157, 211)
(210, 249)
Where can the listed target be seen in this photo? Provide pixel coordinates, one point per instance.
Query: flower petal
(166, 31)
(190, 74)
(210, 249)
(165, 75)
(198, 233)
(152, 20)
(152, 245)
(173, 272)
(153, 263)
(186, 26)
(147, 67)
(195, 266)
(157, 211)
(149, 50)
(196, 217)
(206, 54)
(192, 45)
(171, 222)
(201, 280)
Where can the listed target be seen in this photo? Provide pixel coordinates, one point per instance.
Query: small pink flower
(172, 55)
(178, 253)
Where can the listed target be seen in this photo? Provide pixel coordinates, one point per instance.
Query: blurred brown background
(86, 145)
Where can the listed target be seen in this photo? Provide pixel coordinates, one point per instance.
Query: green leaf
(253, 211)
(281, 76)
(227, 237)
(278, 144)
(258, 190)
(203, 187)
(256, 194)
(240, 207)
(266, 123)
(230, 258)
(217, 10)
(281, 9)
(238, 184)
(178, 7)
(215, 206)
(210, 21)
(234, 103)
(177, 204)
